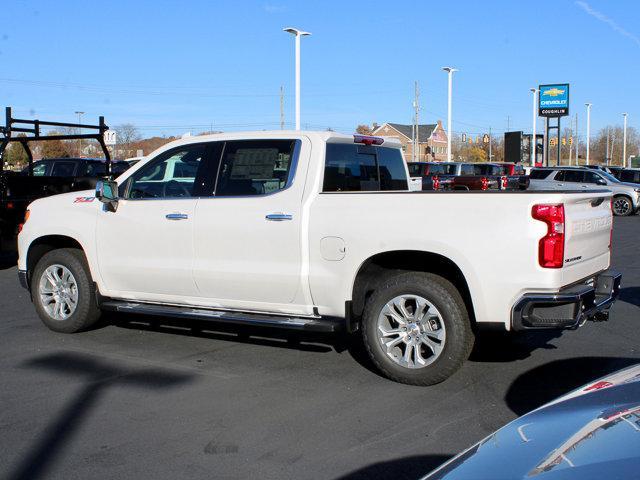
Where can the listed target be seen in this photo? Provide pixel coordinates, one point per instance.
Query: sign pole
(545, 146)
(558, 143)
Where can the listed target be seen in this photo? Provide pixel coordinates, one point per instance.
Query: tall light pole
(79, 140)
(449, 71)
(298, 33)
(624, 141)
(588, 105)
(534, 141)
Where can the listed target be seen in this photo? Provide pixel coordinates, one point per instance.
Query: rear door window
(573, 176)
(362, 168)
(255, 167)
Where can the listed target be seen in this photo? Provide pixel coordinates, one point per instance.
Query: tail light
(484, 183)
(436, 182)
(551, 246)
(504, 182)
(10, 206)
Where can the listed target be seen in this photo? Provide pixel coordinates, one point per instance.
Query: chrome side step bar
(223, 316)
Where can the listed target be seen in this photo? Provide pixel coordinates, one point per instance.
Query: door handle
(176, 216)
(279, 217)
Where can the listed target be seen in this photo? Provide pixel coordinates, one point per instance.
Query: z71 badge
(84, 199)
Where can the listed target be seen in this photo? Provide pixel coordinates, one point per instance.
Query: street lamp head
(624, 114)
(449, 69)
(296, 31)
(588, 105)
(533, 90)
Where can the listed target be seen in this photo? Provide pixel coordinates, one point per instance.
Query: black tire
(446, 298)
(622, 211)
(86, 311)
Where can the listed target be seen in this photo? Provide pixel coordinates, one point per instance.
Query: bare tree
(127, 133)
(364, 130)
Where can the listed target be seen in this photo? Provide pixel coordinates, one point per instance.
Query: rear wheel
(63, 291)
(622, 206)
(416, 328)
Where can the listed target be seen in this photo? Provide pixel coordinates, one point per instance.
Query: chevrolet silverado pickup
(319, 231)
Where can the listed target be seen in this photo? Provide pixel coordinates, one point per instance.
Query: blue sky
(170, 67)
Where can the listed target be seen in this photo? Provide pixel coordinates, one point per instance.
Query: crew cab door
(145, 247)
(248, 235)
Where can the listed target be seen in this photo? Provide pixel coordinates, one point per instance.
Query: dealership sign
(553, 100)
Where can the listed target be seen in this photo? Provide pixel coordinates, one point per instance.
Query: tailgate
(588, 221)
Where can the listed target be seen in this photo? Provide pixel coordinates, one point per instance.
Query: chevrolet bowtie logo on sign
(553, 92)
(553, 100)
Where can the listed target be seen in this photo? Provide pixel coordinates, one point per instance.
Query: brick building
(432, 140)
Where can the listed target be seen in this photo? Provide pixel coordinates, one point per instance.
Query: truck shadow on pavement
(547, 382)
(511, 346)
(98, 376)
(630, 295)
(407, 468)
(265, 336)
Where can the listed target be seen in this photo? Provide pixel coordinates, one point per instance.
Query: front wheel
(63, 292)
(622, 206)
(416, 328)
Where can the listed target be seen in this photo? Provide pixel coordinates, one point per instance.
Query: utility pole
(624, 141)
(490, 155)
(508, 123)
(416, 137)
(606, 160)
(79, 131)
(588, 105)
(577, 140)
(281, 107)
(534, 141)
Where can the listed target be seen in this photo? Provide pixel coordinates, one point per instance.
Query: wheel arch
(45, 244)
(377, 267)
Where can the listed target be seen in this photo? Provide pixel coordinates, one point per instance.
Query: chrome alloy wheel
(411, 331)
(621, 206)
(58, 292)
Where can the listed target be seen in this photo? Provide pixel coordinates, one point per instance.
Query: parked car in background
(517, 177)
(615, 171)
(434, 175)
(630, 175)
(626, 199)
(492, 176)
(591, 433)
(51, 176)
(288, 230)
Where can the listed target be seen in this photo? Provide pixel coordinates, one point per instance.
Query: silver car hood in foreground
(590, 433)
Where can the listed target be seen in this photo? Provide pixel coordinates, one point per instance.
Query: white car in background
(626, 196)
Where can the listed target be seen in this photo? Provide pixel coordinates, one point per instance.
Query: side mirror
(107, 193)
(601, 181)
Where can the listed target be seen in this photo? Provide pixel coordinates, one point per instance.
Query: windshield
(608, 176)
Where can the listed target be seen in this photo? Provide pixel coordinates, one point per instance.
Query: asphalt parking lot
(142, 398)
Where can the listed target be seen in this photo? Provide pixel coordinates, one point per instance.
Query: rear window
(363, 168)
(538, 174)
(467, 169)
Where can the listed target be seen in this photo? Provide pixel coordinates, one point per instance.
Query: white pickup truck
(319, 231)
